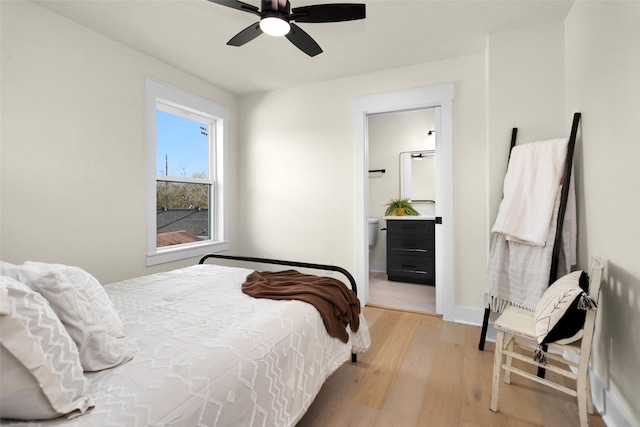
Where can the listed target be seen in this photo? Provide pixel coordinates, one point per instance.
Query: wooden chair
(516, 330)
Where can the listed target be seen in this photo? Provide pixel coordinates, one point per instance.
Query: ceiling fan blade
(236, 4)
(246, 35)
(303, 41)
(328, 12)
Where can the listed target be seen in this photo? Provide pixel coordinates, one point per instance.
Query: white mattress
(209, 355)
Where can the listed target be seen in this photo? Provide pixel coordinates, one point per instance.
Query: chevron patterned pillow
(94, 292)
(40, 372)
(76, 310)
(557, 315)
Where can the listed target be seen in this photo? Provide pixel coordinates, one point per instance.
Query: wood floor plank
(353, 414)
(371, 314)
(379, 331)
(376, 383)
(441, 404)
(327, 403)
(327, 408)
(453, 333)
(476, 395)
(402, 407)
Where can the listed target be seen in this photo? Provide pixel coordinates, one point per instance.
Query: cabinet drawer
(417, 269)
(421, 264)
(405, 245)
(398, 226)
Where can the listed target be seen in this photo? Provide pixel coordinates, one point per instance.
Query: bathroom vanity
(411, 249)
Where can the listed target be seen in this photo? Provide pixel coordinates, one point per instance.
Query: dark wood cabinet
(411, 251)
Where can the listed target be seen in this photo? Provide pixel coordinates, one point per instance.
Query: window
(185, 174)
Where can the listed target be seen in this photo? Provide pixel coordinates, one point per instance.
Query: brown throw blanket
(338, 306)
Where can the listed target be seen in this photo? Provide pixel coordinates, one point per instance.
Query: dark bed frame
(352, 281)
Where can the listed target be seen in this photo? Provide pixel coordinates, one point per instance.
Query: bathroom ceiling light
(275, 26)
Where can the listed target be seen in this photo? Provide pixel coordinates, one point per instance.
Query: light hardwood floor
(407, 296)
(422, 371)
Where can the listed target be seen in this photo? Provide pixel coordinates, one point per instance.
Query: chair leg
(590, 407)
(497, 370)
(510, 339)
(583, 388)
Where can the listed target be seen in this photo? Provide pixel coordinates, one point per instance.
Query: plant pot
(399, 211)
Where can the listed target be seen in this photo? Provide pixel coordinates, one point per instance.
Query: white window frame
(156, 93)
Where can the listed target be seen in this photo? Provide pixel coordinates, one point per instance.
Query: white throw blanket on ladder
(525, 228)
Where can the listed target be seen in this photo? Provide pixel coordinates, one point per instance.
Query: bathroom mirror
(417, 176)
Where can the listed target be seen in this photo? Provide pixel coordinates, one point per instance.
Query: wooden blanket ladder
(557, 244)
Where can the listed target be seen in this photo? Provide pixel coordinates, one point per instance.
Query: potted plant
(400, 207)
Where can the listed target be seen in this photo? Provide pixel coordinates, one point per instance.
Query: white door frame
(408, 100)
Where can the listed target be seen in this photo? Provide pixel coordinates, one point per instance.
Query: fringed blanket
(534, 173)
(338, 306)
(518, 274)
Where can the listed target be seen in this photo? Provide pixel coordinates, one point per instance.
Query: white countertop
(412, 217)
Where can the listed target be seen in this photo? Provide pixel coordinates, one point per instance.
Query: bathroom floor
(408, 296)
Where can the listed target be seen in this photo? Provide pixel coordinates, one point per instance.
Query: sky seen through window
(182, 146)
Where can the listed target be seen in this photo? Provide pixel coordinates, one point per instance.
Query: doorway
(407, 100)
(401, 147)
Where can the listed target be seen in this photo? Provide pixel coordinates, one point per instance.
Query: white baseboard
(605, 402)
(379, 267)
(607, 405)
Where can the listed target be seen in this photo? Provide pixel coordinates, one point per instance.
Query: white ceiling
(192, 35)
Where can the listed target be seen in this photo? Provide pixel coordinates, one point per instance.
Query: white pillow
(98, 350)
(94, 292)
(560, 314)
(40, 372)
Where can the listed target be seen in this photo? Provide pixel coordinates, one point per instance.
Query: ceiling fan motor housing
(275, 8)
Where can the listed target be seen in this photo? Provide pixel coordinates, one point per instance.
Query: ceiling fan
(276, 19)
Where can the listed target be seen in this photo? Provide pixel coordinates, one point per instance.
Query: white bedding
(209, 355)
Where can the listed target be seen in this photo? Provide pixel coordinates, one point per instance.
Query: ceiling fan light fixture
(275, 26)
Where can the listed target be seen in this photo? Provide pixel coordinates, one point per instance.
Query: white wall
(602, 71)
(298, 168)
(525, 89)
(73, 144)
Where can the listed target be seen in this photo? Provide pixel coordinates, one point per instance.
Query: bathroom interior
(401, 165)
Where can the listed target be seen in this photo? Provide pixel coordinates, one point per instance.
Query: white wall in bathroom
(388, 136)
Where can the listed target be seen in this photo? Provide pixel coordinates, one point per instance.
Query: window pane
(182, 146)
(182, 213)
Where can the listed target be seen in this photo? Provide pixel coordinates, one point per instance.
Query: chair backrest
(595, 279)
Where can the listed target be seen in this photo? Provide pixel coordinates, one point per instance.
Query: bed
(194, 351)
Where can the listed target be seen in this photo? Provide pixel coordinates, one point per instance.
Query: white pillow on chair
(560, 314)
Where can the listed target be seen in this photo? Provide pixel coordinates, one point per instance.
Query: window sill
(175, 253)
